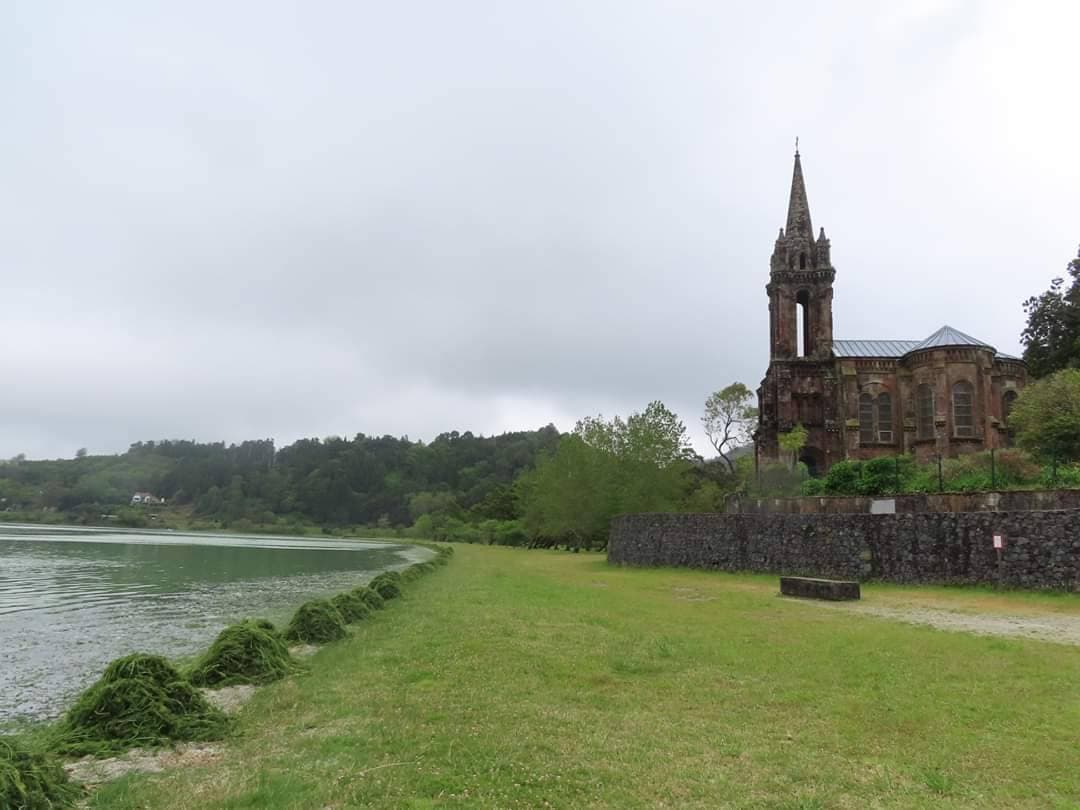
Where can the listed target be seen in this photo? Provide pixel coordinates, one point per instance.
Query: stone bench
(809, 588)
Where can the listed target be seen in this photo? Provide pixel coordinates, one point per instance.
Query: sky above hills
(265, 219)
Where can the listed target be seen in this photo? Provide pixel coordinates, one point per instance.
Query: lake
(73, 599)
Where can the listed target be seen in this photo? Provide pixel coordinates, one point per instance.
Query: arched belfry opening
(802, 324)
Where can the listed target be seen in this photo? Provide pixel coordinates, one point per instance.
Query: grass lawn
(517, 678)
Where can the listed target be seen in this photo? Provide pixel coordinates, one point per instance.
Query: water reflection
(72, 599)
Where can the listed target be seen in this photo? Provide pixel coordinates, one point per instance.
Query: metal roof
(947, 336)
(873, 348)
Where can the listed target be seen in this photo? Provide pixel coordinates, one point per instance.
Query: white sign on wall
(999, 541)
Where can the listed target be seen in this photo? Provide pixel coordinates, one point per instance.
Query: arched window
(924, 411)
(884, 418)
(802, 261)
(963, 416)
(804, 345)
(866, 419)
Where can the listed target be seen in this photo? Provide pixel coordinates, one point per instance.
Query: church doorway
(814, 459)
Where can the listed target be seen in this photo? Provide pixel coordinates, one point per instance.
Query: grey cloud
(240, 220)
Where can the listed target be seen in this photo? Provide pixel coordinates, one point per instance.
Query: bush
(140, 700)
(316, 622)
(249, 652)
(813, 486)
(886, 475)
(351, 606)
(843, 478)
(370, 597)
(31, 779)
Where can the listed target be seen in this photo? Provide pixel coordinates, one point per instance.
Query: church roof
(945, 336)
(873, 348)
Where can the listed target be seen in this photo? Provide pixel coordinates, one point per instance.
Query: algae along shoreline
(144, 702)
(517, 678)
(75, 599)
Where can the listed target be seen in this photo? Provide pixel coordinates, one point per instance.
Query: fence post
(940, 478)
(898, 475)
(993, 470)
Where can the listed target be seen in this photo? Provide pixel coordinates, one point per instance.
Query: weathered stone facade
(948, 394)
(1041, 549)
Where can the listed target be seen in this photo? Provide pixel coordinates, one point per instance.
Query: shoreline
(182, 645)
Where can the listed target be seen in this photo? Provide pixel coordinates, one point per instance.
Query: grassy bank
(531, 679)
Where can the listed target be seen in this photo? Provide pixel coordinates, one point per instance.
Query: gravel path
(1059, 629)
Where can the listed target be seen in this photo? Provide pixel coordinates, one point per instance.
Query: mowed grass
(519, 678)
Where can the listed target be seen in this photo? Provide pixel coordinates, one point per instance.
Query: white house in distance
(146, 499)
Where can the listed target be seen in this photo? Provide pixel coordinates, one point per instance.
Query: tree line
(540, 487)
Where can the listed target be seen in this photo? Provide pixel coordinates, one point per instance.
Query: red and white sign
(999, 541)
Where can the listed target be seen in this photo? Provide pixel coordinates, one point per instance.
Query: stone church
(946, 394)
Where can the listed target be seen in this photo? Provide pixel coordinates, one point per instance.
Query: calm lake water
(73, 599)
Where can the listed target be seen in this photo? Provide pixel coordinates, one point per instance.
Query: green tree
(1052, 336)
(792, 443)
(607, 468)
(1046, 416)
(729, 419)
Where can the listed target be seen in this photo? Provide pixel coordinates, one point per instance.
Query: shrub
(843, 478)
(779, 481)
(316, 622)
(813, 486)
(370, 597)
(32, 779)
(140, 700)
(351, 606)
(249, 652)
(885, 475)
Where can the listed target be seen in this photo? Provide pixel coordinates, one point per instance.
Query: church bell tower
(800, 386)
(800, 284)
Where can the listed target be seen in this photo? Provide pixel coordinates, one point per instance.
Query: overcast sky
(248, 219)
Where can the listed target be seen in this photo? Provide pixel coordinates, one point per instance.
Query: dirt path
(1061, 629)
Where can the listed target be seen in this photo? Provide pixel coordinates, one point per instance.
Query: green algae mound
(370, 597)
(252, 651)
(316, 622)
(141, 700)
(33, 779)
(387, 584)
(351, 606)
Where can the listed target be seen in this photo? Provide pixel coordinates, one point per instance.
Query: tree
(80, 453)
(792, 442)
(729, 418)
(1046, 416)
(1052, 336)
(606, 468)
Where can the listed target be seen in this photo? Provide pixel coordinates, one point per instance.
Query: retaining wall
(1001, 501)
(1041, 548)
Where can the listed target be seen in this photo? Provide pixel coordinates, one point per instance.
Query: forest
(524, 488)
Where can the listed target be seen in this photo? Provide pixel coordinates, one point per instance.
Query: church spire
(798, 213)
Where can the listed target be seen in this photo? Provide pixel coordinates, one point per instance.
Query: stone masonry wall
(1005, 501)
(1042, 548)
